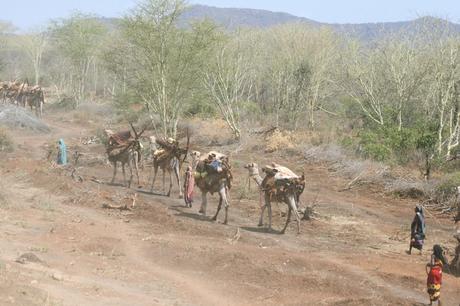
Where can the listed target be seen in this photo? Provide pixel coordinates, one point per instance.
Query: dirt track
(161, 253)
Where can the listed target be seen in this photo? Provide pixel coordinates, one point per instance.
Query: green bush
(372, 145)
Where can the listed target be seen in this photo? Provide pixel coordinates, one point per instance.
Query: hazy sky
(30, 13)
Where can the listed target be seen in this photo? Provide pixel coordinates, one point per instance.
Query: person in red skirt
(434, 272)
(189, 184)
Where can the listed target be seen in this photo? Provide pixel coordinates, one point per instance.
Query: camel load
(118, 142)
(279, 180)
(279, 184)
(168, 147)
(213, 166)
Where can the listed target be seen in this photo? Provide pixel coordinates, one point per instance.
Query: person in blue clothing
(62, 153)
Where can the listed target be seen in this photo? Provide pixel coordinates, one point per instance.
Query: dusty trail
(164, 254)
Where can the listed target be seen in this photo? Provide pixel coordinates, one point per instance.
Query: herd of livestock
(211, 173)
(23, 94)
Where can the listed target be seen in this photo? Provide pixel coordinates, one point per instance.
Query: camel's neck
(257, 178)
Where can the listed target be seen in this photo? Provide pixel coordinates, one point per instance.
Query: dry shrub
(409, 188)
(213, 132)
(368, 172)
(17, 117)
(279, 140)
(6, 143)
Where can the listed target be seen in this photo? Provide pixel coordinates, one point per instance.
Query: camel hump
(117, 140)
(280, 172)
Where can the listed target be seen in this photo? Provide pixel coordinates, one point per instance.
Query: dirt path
(161, 253)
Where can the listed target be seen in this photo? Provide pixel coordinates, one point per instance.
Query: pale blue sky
(30, 13)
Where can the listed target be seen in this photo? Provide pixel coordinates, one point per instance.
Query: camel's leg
(287, 220)
(261, 219)
(155, 172)
(124, 173)
(130, 167)
(170, 183)
(204, 203)
(177, 173)
(218, 208)
(164, 180)
(293, 206)
(114, 172)
(136, 166)
(41, 109)
(226, 203)
(268, 204)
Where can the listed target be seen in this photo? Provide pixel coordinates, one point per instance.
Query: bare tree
(78, 40)
(229, 83)
(33, 45)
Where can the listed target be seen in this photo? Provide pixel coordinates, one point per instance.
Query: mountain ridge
(232, 18)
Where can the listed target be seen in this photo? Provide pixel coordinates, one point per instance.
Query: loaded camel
(169, 159)
(124, 148)
(213, 174)
(34, 98)
(279, 184)
(24, 95)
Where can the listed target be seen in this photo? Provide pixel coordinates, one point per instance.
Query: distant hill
(232, 18)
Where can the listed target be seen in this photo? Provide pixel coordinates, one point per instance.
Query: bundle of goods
(119, 142)
(214, 166)
(168, 147)
(279, 180)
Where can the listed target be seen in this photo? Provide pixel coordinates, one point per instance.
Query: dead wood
(120, 207)
(352, 183)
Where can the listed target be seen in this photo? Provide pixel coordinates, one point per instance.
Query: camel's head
(195, 155)
(108, 133)
(252, 168)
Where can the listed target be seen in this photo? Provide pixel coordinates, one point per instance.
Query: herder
(417, 227)
(434, 279)
(62, 153)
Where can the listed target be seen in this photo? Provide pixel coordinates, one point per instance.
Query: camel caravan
(211, 173)
(22, 94)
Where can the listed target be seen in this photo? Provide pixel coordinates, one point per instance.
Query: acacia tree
(33, 45)
(77, 39)
(164, 59)
(5, 28)
(228, 80)
(295, 66)
(444, 93)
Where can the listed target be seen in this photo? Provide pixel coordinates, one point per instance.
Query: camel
(11, 91)
(213, 174)
(123, 148)
(24, 95)
(280, 184)
(213, 180)
(168, 159)
(32, 97)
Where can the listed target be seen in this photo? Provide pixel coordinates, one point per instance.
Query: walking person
(62, 153)
(434, 274)
(189, 184)
(418, 230)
